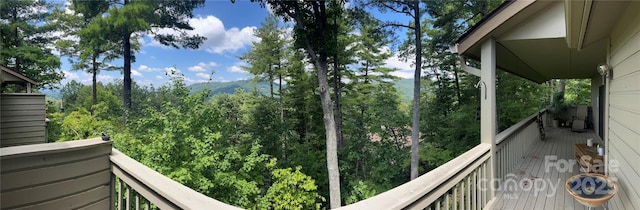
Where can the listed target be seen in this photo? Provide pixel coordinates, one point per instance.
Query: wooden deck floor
(539, 186)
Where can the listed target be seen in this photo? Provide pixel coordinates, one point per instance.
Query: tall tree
(27, 40)
(412, 9)
(370, 75)
(342, 57)
(312, 32)
(128, 17)
(93, 51)
(265, 61)
(264, 57)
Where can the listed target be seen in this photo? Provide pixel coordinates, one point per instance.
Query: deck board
(559, 142)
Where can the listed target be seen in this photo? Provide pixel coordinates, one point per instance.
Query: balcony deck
(531, 170)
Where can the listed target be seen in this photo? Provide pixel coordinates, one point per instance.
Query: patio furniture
(591, 190)
(578, 123)
(588, 159)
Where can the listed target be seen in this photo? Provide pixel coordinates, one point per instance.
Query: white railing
(458, 184)
(138, 186)
(513, 143)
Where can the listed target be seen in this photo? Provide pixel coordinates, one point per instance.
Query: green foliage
(25, 34)
(76, 96)
(376, 136)
(125, 18)
(578, 92)
(360, 190)
(264, 58)
(558, 105)
(291, 189)
(54, 127)
(517, 98)
(431, 156)
(80, 124)
(189, 148)
(94, 50)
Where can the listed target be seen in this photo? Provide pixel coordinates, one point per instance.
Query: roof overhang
(542, 40)
(11, 76)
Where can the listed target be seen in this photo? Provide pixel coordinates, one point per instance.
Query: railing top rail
(410, 192)
(57, 147)
(500, 137)
(180, 195)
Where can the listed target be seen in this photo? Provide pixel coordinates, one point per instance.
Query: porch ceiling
(547, 39)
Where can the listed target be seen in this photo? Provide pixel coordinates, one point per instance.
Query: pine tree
(26, 42)
(131, 17)
(93, 51)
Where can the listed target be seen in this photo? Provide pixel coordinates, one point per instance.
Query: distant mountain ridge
(230, 87)
(404, 87)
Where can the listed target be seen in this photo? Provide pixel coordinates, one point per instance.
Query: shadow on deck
(540, 185)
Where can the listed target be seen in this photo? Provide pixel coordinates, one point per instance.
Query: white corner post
(488, 112)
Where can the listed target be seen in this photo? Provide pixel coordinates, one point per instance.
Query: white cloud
(135, 73)
(78, 76)
(405, 69)
(173, 72)
(221, 79)
(219, 39)
(407, 74)
(177, 73)
(70, 75)
(197, 69)
(203, 76)
(269, 8)
(237, 68)
(105, 78)
(202, 67)
(146, 68)
(158, 77)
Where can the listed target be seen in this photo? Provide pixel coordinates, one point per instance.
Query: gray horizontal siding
(624, 110)
(22, 119)
(63, 175)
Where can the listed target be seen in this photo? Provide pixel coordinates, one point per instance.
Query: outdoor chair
(579, 120)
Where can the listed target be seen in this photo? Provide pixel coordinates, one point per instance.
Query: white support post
(488, 112)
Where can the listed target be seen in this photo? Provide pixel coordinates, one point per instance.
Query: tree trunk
(270, 81)
(320, 63)
(94, 98)
(126, 91)
(455, 74)
(415, 128)
(551, 87)
(561, 86)
(336, 86)
(283, 136)
(16, 39)
(331, 135)
(338, 109)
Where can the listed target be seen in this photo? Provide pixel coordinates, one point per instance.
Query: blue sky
(229, 28)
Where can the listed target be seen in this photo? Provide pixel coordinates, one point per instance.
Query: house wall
(63, 175)
(623, 132)
(22, 119)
